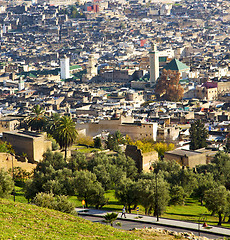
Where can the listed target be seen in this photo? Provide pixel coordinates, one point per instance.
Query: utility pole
(156, 198)
(12, 155)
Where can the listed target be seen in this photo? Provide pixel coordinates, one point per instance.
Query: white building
(64, 62)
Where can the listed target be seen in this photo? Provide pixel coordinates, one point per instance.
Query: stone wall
(186, 160)
(32, 143)
(135, 131)
(143, 160)
(6, 163)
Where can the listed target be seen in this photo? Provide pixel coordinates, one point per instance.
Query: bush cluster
(59, 203)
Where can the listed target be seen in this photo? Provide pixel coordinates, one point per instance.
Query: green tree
(103, 175)
(227, 145)
(88, 188)
(177, 195)
(112, 143)
(50, 175)
(52, 124)
(111, 170)
(99, 159)
(174, 175)
(116, 175)
(221, 168)
(6, 183)
(6, 147)
(153, 199)
(20, 175)
(37, 120)
(97, 142)
(126, 164)
(78, 162)
(217, 201)
(126, 193)
(51, 159)
(167, 166)
(55, 145)
(185, 178)
(65, 133)
(205, 182)
(198, 135)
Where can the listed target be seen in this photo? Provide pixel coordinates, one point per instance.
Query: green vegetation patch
(24, 221)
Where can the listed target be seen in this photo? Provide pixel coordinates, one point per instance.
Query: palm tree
(52, 124)
(37, 121)
(66, 133)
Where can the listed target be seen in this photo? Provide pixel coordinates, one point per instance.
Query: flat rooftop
(26, 134)
(182, 153)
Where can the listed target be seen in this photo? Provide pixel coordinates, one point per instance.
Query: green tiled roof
(162, 59)
(75, 67)
(176, 65)
(32, 75)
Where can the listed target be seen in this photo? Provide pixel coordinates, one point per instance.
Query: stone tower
(154, 65)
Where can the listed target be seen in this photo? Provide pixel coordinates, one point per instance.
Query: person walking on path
(123, 212)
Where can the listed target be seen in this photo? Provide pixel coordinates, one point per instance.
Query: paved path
(162, 221)
(128, 225)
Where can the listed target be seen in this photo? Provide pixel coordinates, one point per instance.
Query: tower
(64, 62)
(154, 65)
(21, 84)
(91, 69)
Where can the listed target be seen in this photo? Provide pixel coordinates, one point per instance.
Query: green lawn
(190, 211)
(84, 149)
(74, 200)
(113, 204)
(19, 196)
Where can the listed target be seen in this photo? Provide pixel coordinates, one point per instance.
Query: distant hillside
(24, 221)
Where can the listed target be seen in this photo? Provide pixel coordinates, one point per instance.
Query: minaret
(91, 69)
(154, 65)
(64, 62)
(21, 84)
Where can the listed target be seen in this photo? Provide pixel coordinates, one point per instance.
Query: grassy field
(19, 196)
(84, 149)
(25, 221)
(190, 211)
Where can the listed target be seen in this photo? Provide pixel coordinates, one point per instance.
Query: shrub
(48, 200)
(55, 145)
(85, 140)
(63, 205)
(97, 142)
(110, 218)
(6, 183)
